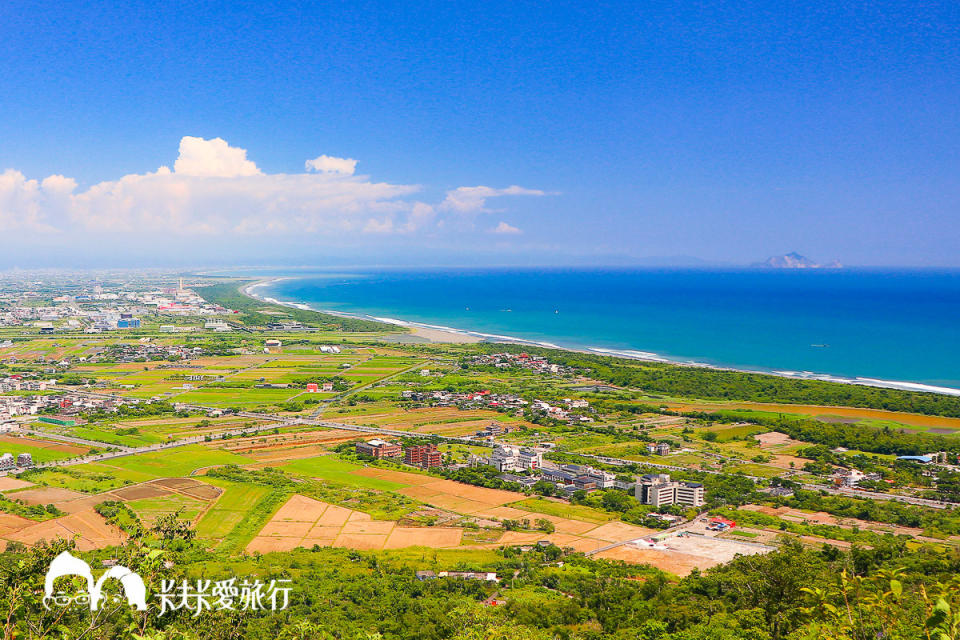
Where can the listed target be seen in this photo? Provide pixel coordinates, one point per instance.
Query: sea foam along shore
(477, 336)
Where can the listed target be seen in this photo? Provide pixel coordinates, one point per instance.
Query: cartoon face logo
(66, 564)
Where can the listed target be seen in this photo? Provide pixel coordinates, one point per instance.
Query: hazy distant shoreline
(439, 333)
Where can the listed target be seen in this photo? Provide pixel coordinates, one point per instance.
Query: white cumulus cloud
(505, 228)
(215, 190)
(31, 205)
(474, 199)
(330, 164)
(199, 157)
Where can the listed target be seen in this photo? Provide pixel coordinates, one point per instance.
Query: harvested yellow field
(304, 522)
(434, 537)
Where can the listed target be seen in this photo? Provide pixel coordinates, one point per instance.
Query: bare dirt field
(521, 537)
(508, 513)
(88, 526)
(188, 487)
(370, 527)
(434, 537)
(619, 531)
(402, 477)
(140, 491)
(47, 495)
(10, 523)
(267, 457)
(296, 439)
(440, 420)
(784, 462)
(455, 496)
(9, 484)
(201, 492)
(361, 542)
(679, 564)
(290, 446)
(774, 439)
(300, 509)
(334, 516)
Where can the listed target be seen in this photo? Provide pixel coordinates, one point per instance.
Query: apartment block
(659, 490)
(377, 448)
(425, 455)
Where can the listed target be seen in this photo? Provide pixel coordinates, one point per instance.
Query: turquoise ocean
(891, 328)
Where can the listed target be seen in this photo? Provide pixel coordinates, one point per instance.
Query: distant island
(794, 260)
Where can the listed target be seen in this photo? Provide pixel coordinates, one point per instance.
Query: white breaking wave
(908, 386)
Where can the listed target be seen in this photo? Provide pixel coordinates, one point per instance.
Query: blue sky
(507, 133)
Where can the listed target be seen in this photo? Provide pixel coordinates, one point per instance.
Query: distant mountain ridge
(794, 260)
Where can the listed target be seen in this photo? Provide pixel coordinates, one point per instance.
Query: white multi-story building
(510, 458)
(690, 493)
(658, 491)
(603, 479)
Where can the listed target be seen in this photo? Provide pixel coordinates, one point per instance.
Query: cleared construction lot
(683, 552)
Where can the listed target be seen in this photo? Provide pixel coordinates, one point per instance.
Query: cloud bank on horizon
(214, 189)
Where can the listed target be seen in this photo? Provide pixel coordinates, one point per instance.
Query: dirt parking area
(680, 554)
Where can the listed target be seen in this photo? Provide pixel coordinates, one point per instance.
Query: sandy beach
(439, 335)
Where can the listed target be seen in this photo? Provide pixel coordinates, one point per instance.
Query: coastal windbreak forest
(720, 384)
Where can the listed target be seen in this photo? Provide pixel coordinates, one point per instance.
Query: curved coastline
(249, 290)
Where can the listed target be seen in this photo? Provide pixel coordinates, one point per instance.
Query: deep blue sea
(853, 324)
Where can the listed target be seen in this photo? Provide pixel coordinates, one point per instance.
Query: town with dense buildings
(135, 405)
